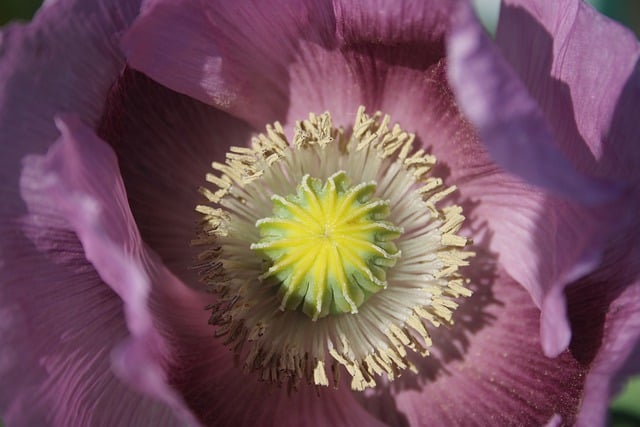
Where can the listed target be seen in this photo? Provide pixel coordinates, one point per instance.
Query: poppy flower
(324, 213)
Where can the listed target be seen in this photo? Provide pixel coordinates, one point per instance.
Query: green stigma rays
(328, 246)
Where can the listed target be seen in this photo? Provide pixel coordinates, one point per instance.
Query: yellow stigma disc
(327, 247)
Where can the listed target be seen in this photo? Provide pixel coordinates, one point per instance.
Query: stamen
(331, 252)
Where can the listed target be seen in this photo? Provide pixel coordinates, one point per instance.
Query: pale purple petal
(545, 242)
(56, 335)
(204, 372)
(262, 63)
(79, 183)
(618, 358)
(60, 321)
(314, 62)
(582, 68)
(510, 122)
(218, 390)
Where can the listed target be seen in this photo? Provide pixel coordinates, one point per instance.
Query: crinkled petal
(582, 68)
(233, 55)
(59, 323)
(59, 319)
(557, 240)
(39, 78)
(295, 59)
(79, 181)
(510, 122)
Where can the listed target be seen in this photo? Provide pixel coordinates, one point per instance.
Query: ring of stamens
(367, 336)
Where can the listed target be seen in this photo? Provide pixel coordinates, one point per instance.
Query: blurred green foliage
(624, 11)
(17, 9)
(625, 410)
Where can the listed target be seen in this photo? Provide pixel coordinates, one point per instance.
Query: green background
(625, 410)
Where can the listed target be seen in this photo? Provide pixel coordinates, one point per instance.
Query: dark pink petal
(618, 358)
(165, 143)
(220, 393)
(604, 309)
(510, 122)
(78, 184)
(233, 55)
(489, 369)
(363, 23)
(582, 68)
(377, 44)
(292, 58)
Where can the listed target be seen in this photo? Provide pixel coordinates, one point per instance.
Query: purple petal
(543, 242)
(212, 384)
(39, 78)
(582, 68)
(237, 54)
(310, 63)
(78, 182)
(558, 240)
(510, 122)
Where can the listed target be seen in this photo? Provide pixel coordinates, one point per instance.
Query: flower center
(337, 252)
(328, 245)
